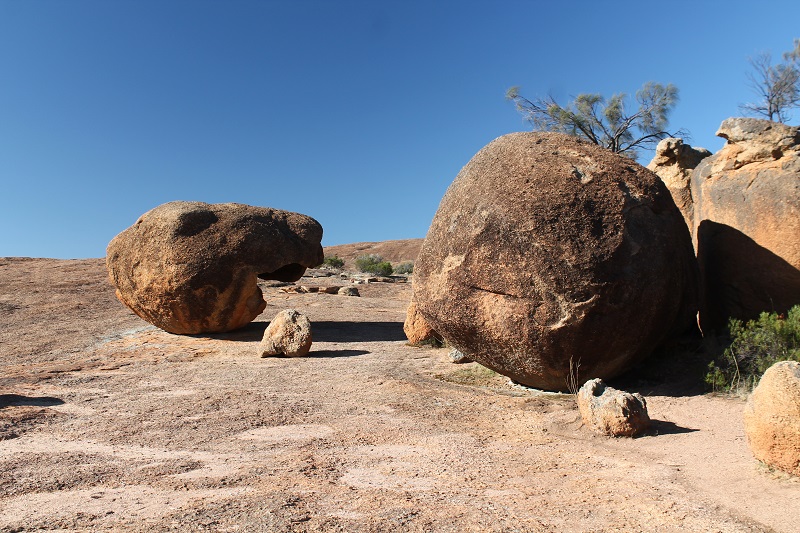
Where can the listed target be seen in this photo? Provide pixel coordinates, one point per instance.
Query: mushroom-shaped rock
(612, 412)
(772, 417)
(547, 249)
(192, 267)
(747, 222)
(288, 334)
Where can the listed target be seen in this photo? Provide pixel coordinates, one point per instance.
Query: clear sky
(356, 112)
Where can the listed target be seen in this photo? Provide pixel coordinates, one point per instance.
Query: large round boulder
(772, 417)
(547, 251)
(747, 222)
(192, 267)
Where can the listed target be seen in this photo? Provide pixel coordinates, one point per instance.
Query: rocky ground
(110, 424)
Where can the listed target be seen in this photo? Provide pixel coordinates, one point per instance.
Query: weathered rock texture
(192, 267)
(747, 221)
(416, 328)
(458, 357)
(547, 248)
(348, 291)
(612, 412)
(772, 417)
(674, 162)
(289, 334)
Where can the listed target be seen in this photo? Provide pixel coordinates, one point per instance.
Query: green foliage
(406, 267)
(756, 345)
(604, 122)
(374, 264)
(333, 262)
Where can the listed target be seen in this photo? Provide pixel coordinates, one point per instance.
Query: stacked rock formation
(192, 267)
(674, 162)
(545, 249)
(747, 221)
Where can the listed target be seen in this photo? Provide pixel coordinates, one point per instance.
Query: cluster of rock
(546, 248)
(329, 289)
(743, 207)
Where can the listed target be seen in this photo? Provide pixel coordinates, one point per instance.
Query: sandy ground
(110, 424)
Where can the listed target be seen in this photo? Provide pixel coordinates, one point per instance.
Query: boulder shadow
(324, 331)
(18, 400)
(357, 331)
(740, 278)
(330, 354)
(662, 427)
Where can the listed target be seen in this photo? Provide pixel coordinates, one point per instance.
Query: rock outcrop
(772, 417)
(288, 334)
(747, 222)
(192, 267)
(546, 248)
(416, 328)
(674, 162)
(612, 412)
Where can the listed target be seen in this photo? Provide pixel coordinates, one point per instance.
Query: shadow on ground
(662, 427)
(326, 331)
(18, 400)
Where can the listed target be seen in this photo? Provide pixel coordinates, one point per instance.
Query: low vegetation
(333, 262)
(374, 264)
(406, 267)
(756, 345)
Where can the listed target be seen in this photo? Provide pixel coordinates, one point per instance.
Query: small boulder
(288, 334)
(458, 357)
(612, 412)
(416, 328)
(772, 417)
(349, 291)
(331, 289)
(192, 267)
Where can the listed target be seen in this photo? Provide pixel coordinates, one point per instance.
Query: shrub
(374, 264)
(333, 262)
(406, 267)
(755, 346)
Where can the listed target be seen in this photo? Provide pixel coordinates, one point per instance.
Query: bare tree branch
(605, 122)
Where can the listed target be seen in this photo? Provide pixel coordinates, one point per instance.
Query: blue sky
(358, 113)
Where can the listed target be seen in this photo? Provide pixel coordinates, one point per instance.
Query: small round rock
(349, 291)
(288, 334)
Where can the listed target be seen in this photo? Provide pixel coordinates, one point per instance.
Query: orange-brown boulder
(747, 222)
(547, 249)
(288, 334)
(674, 162)
(613, 412)
(192, 267)
(416, 328)
(772, 417)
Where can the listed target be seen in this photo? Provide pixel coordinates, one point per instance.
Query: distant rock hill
(392, 251)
